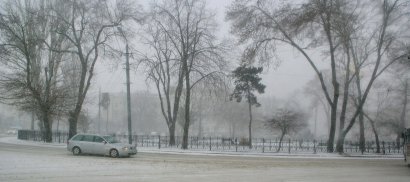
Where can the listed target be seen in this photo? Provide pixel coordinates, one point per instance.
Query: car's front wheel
(114, 153)
(76, 151)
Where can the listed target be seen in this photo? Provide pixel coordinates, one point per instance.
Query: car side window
(88, 138)
(98, 139)
(78, 138)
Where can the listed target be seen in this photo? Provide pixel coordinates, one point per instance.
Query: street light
(127, 71)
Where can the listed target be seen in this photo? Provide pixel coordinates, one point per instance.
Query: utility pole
(127, 70)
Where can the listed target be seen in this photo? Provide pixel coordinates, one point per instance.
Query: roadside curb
(14, 140)
(278, 155)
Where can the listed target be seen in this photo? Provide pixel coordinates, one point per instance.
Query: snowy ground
(31, 161)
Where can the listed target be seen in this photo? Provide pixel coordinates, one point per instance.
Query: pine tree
(247, 81)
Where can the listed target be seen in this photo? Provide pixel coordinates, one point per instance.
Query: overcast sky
(282, 82)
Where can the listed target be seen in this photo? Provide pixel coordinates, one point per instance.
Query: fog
(286, 79)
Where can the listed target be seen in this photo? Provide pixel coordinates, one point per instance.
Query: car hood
(121, 145)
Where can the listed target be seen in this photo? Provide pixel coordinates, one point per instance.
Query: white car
(12, 132)
(99, 145)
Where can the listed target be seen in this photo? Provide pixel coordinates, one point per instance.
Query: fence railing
(226, 144)
(34, 135)
(258, 144)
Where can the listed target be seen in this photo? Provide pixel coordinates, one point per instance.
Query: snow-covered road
(22, 162)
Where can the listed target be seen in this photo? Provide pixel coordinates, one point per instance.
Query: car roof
(88, 134)
(93, 134)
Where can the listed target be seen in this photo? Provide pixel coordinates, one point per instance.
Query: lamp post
(127, 71)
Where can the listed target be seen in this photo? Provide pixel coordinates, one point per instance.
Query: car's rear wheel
(114, 153)
(76, 151)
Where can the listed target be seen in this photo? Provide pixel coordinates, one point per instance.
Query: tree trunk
(280, 141)
(326, 19)
(357, 112)
(362, 142)
(171, 130)
(250, 123)
(186, 126)
(75, 113)
(361, 118)
(340, 142)
(376, 135)
(177, 97)
(332, 130)
(72, 121)
(187, 107)
(342, 120)
(47, 128)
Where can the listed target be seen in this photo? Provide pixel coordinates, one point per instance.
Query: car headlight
(125, 148)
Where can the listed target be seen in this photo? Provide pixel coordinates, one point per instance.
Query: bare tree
(376, 119)
(90, 24)
(266, 26)
(164, 69)
(190, 28)
(286, 120)
(382, 40)
(31, 77)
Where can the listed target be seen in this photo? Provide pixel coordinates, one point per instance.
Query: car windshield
(111, 139)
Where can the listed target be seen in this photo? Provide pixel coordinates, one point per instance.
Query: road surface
(47, 163)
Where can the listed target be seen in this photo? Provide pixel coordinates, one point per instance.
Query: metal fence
(34, 135)
(226, 144)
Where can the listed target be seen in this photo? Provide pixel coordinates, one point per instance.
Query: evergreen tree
(247, 81)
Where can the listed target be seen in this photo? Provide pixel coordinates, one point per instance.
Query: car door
(87, 144)
(99, 145)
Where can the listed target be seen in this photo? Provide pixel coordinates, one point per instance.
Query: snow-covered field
(32, 161)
